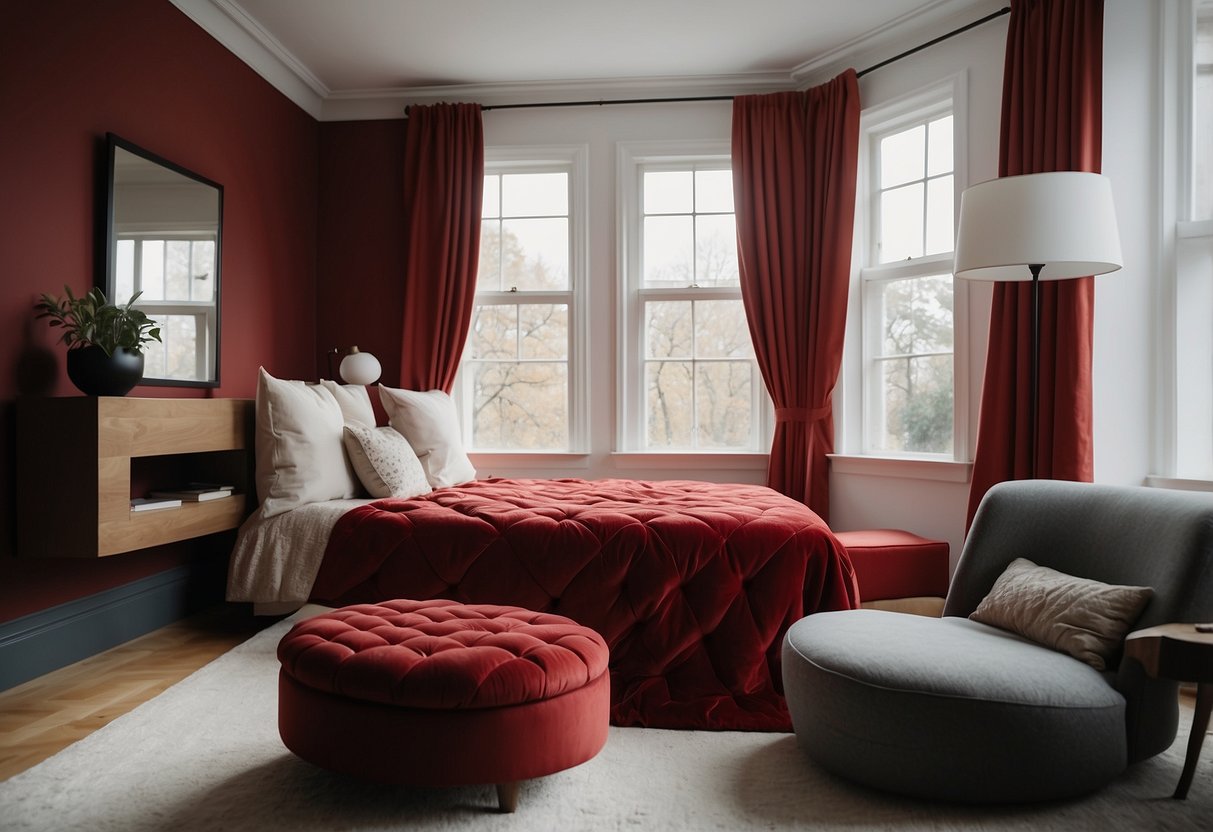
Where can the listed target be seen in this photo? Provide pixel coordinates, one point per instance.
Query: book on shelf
(209, 486)
(153, 503)
(193, 495)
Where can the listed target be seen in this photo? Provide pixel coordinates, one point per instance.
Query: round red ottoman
(436, 693)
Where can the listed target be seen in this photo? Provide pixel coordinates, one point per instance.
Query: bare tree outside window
(699, 369)
(516, 363)
(909, 388)
(916, 364)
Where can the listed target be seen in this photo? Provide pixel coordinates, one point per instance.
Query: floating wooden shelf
(74, 464)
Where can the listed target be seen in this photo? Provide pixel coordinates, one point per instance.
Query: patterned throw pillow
(385, 462)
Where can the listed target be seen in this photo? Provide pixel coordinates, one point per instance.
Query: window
(690, 379)
(1193, 337)
(176, 274)
(907, 295)
(518, 378)
(1202, 113)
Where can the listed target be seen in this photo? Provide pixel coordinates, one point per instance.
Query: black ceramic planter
(98, 374)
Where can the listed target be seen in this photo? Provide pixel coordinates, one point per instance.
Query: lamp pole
(1035, 269)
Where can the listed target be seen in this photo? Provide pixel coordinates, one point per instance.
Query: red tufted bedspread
(692, 584)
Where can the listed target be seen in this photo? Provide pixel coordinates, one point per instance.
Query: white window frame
(860, 385)
(204, 313)
(572, 159)
(1185, 345)
(633, 159)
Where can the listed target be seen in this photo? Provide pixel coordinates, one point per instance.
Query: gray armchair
(952, 709)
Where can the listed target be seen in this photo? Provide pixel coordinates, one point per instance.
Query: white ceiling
(364, 50)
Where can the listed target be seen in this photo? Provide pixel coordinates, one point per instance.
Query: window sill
(557, 460)
(690, 460)
(1179, 483)
(1194, 229)
(937, 470)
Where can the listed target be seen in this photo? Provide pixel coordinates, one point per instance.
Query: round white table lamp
(359, 368)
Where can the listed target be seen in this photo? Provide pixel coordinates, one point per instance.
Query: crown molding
(895, 36)
(240, 33)
(245, 38)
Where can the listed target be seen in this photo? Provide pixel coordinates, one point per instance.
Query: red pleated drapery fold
(794, 164)
(1052, 120)
(443, 189)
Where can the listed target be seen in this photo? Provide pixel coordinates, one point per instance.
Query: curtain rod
(676, 100)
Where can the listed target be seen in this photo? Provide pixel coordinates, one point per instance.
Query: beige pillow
(300, 455)
(354, 401)
(1084, 618)
(385, 462)
(431, 425)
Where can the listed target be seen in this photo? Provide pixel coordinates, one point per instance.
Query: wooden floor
(47, 714)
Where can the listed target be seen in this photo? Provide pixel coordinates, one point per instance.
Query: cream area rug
(205, 755)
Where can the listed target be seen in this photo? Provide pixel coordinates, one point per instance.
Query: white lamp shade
(359, 368)
(1064, 220)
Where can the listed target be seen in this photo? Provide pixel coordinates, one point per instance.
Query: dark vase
(98, 374)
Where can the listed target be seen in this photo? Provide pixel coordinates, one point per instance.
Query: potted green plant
(104, 341)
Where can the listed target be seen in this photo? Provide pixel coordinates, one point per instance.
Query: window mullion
(926, 157)
(694, 377)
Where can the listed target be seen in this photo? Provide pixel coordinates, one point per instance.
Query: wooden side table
(1179, 652)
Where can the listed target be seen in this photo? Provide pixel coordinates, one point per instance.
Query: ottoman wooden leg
(507, 797)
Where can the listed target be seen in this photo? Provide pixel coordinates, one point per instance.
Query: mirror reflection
(163, 241)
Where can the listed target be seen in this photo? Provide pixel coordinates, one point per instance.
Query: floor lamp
(1040, 226)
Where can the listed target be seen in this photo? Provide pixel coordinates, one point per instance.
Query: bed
(692, 584)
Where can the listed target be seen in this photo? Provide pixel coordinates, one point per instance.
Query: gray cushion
(949, 708)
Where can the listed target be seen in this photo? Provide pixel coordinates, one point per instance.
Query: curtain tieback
(802, 414)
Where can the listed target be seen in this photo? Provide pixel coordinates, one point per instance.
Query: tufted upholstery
(441, 654)
(434, 693)
(691, 584)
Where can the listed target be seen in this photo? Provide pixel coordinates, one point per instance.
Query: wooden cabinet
(80, 460)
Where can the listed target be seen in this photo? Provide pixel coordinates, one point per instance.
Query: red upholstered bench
(894, 564)
(436, 693)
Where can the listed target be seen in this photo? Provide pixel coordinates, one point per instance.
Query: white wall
(1126, 300)
(908, 496)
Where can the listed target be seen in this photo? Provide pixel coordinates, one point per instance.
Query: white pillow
(354, 401)
(429, 422)
(385, 462)
(300, 455)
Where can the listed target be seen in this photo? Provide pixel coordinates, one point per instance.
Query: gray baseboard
(56, 637)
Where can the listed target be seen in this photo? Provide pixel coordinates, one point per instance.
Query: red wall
(70, 72)
(361, 250)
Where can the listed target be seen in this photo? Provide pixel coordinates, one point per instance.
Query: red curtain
(443, 188)
(794, 166)
(1052, 119)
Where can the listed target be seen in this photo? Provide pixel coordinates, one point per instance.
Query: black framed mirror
(163, 229)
